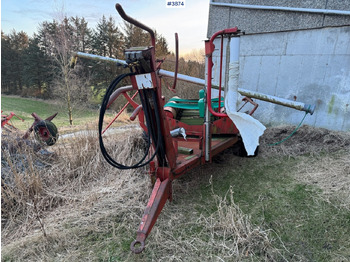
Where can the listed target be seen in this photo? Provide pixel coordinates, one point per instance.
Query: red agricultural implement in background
(176, 142)
(45, 131)
(5, 121)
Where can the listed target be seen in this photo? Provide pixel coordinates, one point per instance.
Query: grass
(234, 209)
(311, 227)
(275, 213)
(23, 108)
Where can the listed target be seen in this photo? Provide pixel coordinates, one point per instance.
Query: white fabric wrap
(249, 128)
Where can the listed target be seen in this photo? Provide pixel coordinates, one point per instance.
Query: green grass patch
(24, 107)
(311, 227)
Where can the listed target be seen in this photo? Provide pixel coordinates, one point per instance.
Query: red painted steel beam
(160, 194)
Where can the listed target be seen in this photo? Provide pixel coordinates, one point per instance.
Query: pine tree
(12, 54)
(35, 73)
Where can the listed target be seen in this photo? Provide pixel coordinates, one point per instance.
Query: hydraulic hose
(103, 109)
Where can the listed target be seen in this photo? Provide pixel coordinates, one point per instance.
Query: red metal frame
(177, 164)
(209, 50)
(42, 131)
(6, 118)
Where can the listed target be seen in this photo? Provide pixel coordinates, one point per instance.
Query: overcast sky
(190, 22)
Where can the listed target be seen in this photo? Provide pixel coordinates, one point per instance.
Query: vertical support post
(207, 134)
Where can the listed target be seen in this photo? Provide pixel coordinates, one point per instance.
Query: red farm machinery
(174, 146)
(44, 130)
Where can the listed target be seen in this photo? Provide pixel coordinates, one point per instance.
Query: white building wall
(310, 66)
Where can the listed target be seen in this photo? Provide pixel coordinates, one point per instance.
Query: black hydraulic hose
(160, 137)
(150, 119)
(103, 109)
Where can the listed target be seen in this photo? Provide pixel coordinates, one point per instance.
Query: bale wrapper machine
(174, 145)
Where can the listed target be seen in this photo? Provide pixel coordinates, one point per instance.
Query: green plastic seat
(193, 104)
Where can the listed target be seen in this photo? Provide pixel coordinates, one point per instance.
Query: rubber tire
(46, 132)
(239, 150)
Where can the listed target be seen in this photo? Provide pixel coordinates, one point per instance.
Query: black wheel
(46, 132)
(238, 149)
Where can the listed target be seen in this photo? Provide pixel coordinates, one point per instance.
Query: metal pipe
(176, 59)
(279, 101)
(182, 77)
(207, 134)
(268, 98)
(252, 94)
(284, 8)
(100, 58)
(161, 72)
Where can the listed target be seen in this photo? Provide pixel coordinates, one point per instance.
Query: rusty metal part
(135, 112)
(249, 100)
(171, 110)
(114, 96)
(117, 93)
(169, 163)
(209, 50)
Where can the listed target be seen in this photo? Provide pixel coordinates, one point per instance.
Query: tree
(35, 74)
(135, 36)
(162, 48)
(39, 65)
(82, 35)
(6, 54)
(59, 43)
(107, 41)
(11, 62)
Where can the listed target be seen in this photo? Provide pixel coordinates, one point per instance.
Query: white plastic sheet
(250, 128)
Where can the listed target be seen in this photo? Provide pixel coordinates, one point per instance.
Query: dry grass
(50, 212)
(307, 140)
(331, 173)
(323, 157)
(225, 234)
(123, 119)
(78, 207)
(67, 177)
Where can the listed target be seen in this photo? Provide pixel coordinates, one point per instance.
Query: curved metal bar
(117, 93)
(209, 54)
(135, 113)
(176, 59)
(136, 23)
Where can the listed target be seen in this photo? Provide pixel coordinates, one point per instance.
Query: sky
(190, 22)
